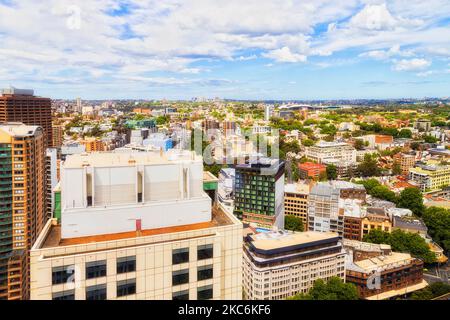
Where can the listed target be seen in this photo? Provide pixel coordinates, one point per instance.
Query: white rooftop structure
(105, 193)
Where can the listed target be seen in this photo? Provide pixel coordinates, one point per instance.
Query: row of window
(97, 269)
(182, 255)
(182, 276)
(128, 287)
(98, 292)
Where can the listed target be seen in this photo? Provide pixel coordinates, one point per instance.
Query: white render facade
(266, 278)
(324, 151)
(162, 240)
(154, 269)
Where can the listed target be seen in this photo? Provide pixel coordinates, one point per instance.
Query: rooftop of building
(365, 246)
(108, 159)
(329, 187)
(383, 261)
(430, 166)
(299, 187)
(327, 144)
(209, 177)
(311, 165)
(16, 91)
(283, 239)
(53, 237)
(409, 223)
(18, 129)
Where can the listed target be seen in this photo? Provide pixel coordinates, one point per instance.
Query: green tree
(359, 144)
(334, 289)
(293, 223)
(376, 236)
(430, 139)
(404, 133)
(396, 169)
(308, 142)
(370, 184)
(383, 192)
(412, 199)
(331, 172)
(401, 241)
(434, 290)
(437, 221)
(369, 167)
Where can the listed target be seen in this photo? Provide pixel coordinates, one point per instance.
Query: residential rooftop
(283, 239)
(18, 129)
(383, 262)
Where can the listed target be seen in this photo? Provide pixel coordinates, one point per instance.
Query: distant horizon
(247, 50)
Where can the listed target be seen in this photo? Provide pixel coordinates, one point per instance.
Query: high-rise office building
(137, 225)
(22, 204)
(19, 105)
(259, 193)
(79, 106)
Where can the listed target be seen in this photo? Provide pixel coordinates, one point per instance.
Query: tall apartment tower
(22, 204)
(51, 176)
(136, 225)
(58, 135)
(20, 105)
(259, 193)
(79, 105)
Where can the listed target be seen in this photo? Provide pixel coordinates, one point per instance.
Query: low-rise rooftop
(277, 240)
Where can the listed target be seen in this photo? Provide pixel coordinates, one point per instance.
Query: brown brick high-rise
(22, 204)
(18, 105)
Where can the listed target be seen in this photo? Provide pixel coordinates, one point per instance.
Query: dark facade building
(259, 196)
(379, 273)
(17, 105)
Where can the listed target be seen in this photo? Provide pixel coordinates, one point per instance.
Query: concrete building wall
(154, 266)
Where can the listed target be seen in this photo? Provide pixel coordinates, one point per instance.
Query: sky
(235, 49)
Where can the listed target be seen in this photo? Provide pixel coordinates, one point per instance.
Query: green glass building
(259, 193)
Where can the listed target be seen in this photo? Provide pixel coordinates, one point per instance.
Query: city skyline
(284, 50)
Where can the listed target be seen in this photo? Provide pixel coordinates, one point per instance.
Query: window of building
(180, 256)
(181, 295)
(204, 273)
(205, 293)
(180, 277)
(97, 292)
(64, 274)
(205, 252)
(64, 295)
(126, 264)
(126, 287)
(96, 269)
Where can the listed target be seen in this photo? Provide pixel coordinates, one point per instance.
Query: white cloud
(174, 35)
(285, 55)
(374, 17)
(411, 65)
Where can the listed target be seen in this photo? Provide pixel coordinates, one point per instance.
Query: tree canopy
(401, 241)
(293, 223)
(437, 221)
(412, 199)
(334, 289)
